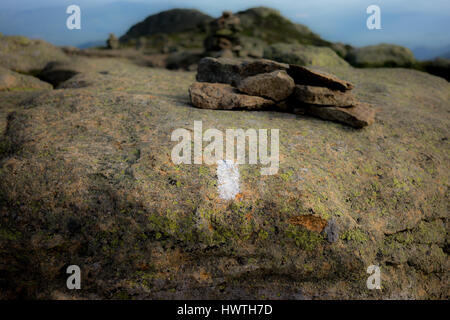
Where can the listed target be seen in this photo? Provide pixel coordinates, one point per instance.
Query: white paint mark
(228, 179)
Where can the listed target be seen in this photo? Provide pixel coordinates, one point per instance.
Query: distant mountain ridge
(264, 23)
(167, 22)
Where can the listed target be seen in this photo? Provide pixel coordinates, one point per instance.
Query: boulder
(382, 55)
(232, 71)
(223, 96)
(323, 96)
(306, 76)
(27, 55)
(341, 49)
(10, 80)
(183, 60)
(304, 55)
(357, 116)
(251, 47)
(276, 85)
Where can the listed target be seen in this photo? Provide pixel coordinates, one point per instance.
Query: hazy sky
(412, 23)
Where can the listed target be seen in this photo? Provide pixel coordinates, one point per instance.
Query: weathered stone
(304, 55)
(251, 47)
(10, 80)
(381, 55)
(223, 96)
(276, 85)
(357, 116)
(306, 76)
(332, 230)
(27, 55)
(183, 59)
(232, 71)
(323, 96)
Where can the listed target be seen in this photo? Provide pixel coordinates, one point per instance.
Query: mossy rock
(304, 55)
(13, 81)
(27, 55)
(382, 55)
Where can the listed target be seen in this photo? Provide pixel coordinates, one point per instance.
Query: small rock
(112, 42)
(332, 230)
(223, 96)
(276, 85)
(357, 116)
(232, 71)
(323, 96)
(305, 76)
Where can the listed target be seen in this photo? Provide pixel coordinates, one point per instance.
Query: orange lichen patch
(310, 222)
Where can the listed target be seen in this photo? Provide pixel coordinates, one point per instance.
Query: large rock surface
(87, 178)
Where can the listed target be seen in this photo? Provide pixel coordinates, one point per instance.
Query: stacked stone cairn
(223, 39)
(244, 84)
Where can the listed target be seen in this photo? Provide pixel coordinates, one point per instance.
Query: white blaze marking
(228, 179)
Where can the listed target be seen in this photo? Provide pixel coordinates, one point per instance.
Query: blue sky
(413, 23)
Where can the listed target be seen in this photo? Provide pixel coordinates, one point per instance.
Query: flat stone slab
(232, 71)
(224, 96)
(305, 76)
(323, 96)
(276, 85)
(357, 116)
